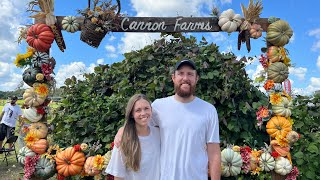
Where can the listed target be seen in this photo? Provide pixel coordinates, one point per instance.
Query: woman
(138, 157)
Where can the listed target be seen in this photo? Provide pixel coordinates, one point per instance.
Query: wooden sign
(168, 24)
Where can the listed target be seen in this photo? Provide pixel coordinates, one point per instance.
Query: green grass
(53, 105)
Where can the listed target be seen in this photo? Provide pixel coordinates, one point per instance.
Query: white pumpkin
(70, 24)
(229, 21)
(283, 166)
(32, 115)
(231, 162)
(283, 108)
(32, 98)
(266, 162)
(23, 153)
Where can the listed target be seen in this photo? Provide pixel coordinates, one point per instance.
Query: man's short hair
(14, 98)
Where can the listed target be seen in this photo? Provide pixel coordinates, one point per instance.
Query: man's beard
(183, 93)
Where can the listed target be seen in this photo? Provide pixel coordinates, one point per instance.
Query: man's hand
(118, 137)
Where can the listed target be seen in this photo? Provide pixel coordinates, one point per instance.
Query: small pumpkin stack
(278, 112)
(79, 160)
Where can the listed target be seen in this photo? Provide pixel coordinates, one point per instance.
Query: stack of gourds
(38, 70)
(279, 126)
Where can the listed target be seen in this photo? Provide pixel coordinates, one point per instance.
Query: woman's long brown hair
(130, 145)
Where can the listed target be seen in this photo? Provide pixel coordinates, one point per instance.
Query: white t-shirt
(11, 114)
(150, 159)
(185, 129)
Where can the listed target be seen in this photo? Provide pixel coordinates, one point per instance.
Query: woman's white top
(150, 159)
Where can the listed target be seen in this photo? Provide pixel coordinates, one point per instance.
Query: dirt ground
(11, 172)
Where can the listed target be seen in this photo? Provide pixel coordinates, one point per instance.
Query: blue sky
(304, 46)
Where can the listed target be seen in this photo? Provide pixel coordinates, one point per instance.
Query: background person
(9, 115)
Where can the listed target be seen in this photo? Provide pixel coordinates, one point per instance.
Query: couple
(188, 133)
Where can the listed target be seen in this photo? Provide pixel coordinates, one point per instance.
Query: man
(10, 113)
(189, 130)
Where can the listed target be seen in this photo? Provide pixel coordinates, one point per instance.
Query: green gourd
(279, 33)
(29, 75)
(44, 168)
(278, 72)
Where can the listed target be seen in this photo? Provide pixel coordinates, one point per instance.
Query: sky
(79, 58)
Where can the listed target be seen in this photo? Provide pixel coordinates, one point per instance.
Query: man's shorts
(6, 131)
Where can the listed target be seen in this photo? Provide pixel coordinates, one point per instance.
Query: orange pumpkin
(39, 146)
(40, 130)
(283, 151)
(70, 162)
(40, 37)
(273, 54)
(89, 168)
(255, 31)
(278, 125)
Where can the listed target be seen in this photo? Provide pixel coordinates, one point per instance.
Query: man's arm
(118, 137)
(214, 156)
(1, 115)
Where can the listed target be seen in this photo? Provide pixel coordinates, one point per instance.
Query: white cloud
(100, 61)
(110, 48)
(136, 41)
(318, 62)
(217, 37)
(11, 20)
(8, 78)
(316, 46)
(310, 89)
(313, 86)
(292, 38)
(316, 34)
(76, 69)
(170, 8)
(112, 38)
(111, 51)
(299, 72)
(5, 69)
(226, 1)
(258, 72)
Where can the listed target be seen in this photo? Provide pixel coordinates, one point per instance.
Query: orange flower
(268, 85)
(256, 171)
(42, 89)
(282, 141)
(256, 154)
(30, 139)
(275, 98)
(287, 61)
(98, 162)
(263, 112)
(283, 52)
